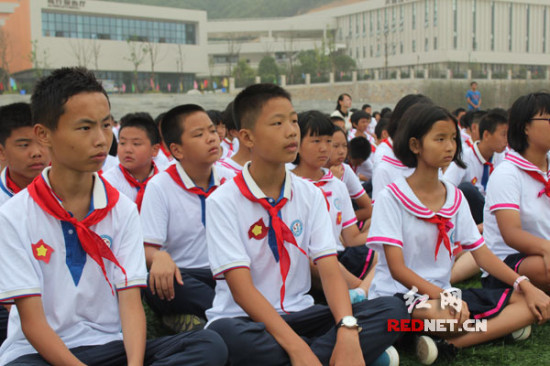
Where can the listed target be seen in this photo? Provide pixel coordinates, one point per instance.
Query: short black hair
(471, 118)
(143, 121)
(12, 117)
(522, 111)
(215, 116)
(340, 129)
(313, 123)
(172, 123)
(249, 102)
(386, 112)
(381, 126)
(457, 111)
(365, 106)
(490, 122)
(227, 118)
(417, 122)
(360, 148)
(356, 116)
(158, 119)
(336, 118)
(401, 107)
(52, 92)
(473, 82)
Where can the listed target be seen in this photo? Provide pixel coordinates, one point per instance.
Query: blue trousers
(250, 344)
(204, 348)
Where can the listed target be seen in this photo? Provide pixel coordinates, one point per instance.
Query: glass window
(413, 15)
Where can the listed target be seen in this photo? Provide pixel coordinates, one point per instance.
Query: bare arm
(347, 350)
(353, 237)
(365, 207)
(162, 271)
(40, 335)
(260, 310)
(132, 319)
(509, 224)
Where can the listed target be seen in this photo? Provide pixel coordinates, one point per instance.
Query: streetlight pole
(386, 32)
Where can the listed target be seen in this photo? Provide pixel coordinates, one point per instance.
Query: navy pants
(202, 347)
(194, 297)
(475, 199)
(250, 344)
(4, 315)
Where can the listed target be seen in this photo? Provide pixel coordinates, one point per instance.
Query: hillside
(218, 9)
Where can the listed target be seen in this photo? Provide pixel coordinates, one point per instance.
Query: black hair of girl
(401, 107)
(340, 99)
(313, 123)
(520, 115)
(418, 120)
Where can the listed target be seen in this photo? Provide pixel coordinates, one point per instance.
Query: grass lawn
(533, 351)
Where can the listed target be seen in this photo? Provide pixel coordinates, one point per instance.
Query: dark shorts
(482, 303)
(357, 260)
(513, 261)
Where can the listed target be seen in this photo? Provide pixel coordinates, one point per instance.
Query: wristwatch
(349, 322)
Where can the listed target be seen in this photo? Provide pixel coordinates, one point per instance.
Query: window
(474, 27)
(544, 30)
(435, 13)
(426, 44)
(413, 15)
(414, 45)
(455, 24)
(426, 13)
(401, 18)
(527, 16)
(510, 24)
(492, 26)
(435, 43)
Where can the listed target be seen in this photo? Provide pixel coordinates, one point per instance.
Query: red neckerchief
(92, 243)
(387, 142)
(11, 184)
(320, 184)
(443, 225)
(173, 171)
(230, 143)
(469, 143)
(137, 184)
(282, 232)
(166, 152)
(538, 177)
(488, 163)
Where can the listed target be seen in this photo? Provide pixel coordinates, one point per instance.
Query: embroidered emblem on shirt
(258, 230)
(107, 239)
(474, 181)
(337, 203)
(339, 218)
(297, 227)
(42, 251)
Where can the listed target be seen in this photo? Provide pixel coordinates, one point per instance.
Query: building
(129, 46)
(485, 36)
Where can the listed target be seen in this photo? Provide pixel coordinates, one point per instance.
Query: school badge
(42, 251)
(258, 230)
(474, 181)
(339, 218)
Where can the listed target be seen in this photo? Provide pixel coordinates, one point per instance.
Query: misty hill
(217, 9)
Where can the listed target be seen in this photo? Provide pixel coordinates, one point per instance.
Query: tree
(137, 55)
(343, 63)
(80, 51)
(95, 50)
(233, 51)
(152, 49)
(180, 61)
(38, 59)
(268, 70)
(244, 75)
(5, 60)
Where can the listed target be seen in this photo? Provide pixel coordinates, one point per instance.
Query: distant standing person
(473, 97)
(343, 106)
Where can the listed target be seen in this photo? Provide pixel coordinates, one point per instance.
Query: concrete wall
(447, 93)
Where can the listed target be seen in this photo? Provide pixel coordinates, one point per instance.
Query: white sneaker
(426, 350)
(521, 334)
(390, 357)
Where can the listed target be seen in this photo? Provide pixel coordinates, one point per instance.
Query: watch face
(349, 321)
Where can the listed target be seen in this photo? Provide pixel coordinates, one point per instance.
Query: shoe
(357, 295)
(429, 349)
(179, 323)
(390, 357)
(521, 334)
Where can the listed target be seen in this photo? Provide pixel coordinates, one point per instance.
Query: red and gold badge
(42, 251)
(339, 218)
(474, 181)
(258, 230)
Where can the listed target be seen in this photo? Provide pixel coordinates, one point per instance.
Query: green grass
(533, 351)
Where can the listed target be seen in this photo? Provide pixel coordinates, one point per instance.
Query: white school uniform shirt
(172, 217)
(230, 217)
(511, 188)
(372, 126)
(466, 139)
(79, 306)
(396, 222)
(229, 147)
(341, 209)
(5, 192)
(474, 168)
(353, 132)
(365, 168)
(388, 171)
(385, 148)
(162, 162)
(347, 121)
(110, 162)
(230, 165)
(115, 177)
(352, 182)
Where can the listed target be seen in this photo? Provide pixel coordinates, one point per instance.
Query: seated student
(381, 131)
(360, 158)
(20, 152)
(236, 161)
(263, 227)
(315, 149)
(420, 223)
(76, 281)
(164, 159)
(367, 108)
(23, 158)
(338, 122)
(343, 171)
(517, 205)
(181, 286)
(360, 122)
(139, 142)
(386, 167)
(470, 127)
(230, 144)
(217, 119)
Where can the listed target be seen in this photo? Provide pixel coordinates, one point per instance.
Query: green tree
(268, 70)
(244, 75)
(343, 63)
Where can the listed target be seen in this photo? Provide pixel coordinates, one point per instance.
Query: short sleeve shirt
(352, 182)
